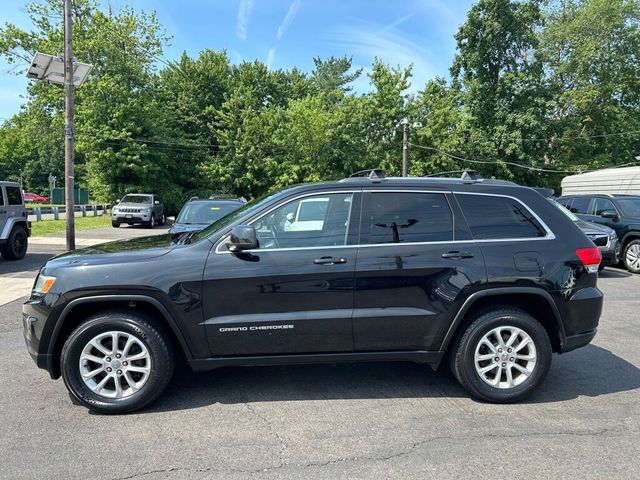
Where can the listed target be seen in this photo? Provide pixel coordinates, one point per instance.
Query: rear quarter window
(496, 217)
(14, 196)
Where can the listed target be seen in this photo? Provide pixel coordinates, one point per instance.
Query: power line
(495, 162)
(582, 137)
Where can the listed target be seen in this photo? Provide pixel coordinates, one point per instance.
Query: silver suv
(143, 208)
(14, 227)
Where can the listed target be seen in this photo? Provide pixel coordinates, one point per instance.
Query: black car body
(398, 269)
(618, 212)
(603, 237)
(199, 213)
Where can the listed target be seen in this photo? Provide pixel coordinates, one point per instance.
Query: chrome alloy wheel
(115, 364)
(632, 256)
(505, 357)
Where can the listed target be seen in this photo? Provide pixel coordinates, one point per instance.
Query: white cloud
(366, 41)
(288, 18)
(244, 12)
(271, 57)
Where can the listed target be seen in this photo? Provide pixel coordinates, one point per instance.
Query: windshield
(231, 217)
(204, 212)
(630, 206)
(564, 210)
(137, 199)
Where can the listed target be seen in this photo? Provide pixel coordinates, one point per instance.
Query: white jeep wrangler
(14, 227)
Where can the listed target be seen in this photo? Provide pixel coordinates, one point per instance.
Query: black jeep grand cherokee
(486, 274)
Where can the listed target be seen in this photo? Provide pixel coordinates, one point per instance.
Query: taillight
(590, 258)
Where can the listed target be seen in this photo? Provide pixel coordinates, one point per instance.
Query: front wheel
(117, 362)
(502, 356)
(16, 246)
(152, 222)
(631, 256)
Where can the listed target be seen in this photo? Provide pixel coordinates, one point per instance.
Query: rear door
(415, 266)
(14, 205)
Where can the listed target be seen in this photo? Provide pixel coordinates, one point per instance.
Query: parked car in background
(483, 274)
(199, 213)
(603, 237)
(34, 198)
(619, 212)
(15, 230)
(143, 208)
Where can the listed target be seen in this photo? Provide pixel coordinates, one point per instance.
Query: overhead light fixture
(50, 69)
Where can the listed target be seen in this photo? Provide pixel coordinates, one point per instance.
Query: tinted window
(317, 221)
(580, 205)
(498, 217)
(201, 212)
(630, 206)
(563, 201)
(145, 199)
(390, 217)
(14, 196)
(601, 205)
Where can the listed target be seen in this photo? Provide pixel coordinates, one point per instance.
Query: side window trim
(356, 202)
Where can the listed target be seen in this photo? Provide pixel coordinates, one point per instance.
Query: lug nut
(125, 363)
(119, 372)
(497, 359)
(511, 359)
(108, 369)
(504, 364)
(117, 355)
(500, 350)
(108, 359)
(510, 350)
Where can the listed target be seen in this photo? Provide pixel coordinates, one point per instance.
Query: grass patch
(47, 227)
(32, 205)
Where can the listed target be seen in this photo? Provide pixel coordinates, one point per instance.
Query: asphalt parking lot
(334, 421)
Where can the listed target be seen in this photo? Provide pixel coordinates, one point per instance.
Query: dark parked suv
(368, 268)
(619, 212)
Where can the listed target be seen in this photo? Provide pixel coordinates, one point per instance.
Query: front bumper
(34, 316)
(130, 217)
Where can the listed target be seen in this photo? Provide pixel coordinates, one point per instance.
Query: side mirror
(243, 237)
(171, 220)
(609, 214)
(117, 201)
(290, 217)
(157, 202)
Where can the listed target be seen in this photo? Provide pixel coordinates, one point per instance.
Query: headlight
(44, 284)
(613, 236)
(114, 210)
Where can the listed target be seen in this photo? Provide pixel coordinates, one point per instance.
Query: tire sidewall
(69, 365)
(8, 251)
(543, 351)
(624, 258)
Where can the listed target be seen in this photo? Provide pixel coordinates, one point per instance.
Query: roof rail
(227, 196)
(370, 173)
(471, 175)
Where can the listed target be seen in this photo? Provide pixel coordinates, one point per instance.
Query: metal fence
(37, 213)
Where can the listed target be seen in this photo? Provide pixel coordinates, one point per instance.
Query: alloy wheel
(632, 256)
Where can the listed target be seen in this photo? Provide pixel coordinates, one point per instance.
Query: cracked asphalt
(395, 420)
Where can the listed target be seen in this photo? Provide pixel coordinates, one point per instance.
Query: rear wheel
(631, 256)
(117, 362)
(502, 356)
(16, 246)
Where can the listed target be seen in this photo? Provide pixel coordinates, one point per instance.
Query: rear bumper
(583, 311)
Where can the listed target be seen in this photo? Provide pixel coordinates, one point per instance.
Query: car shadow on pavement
(32, 261)
(614, 273)
(591, 371)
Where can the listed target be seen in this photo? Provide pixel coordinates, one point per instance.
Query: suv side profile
(398, 269)
(619, 212)
(15, 230)
(141, 208)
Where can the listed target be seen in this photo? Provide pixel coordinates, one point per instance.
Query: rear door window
(580, 205)
(602, 205)
(392, 217)
(496, 217)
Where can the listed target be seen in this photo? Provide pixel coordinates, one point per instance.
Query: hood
(132, 205)
(594, 228)
(121, 251)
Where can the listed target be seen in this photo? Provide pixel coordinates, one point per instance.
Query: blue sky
(288, 33)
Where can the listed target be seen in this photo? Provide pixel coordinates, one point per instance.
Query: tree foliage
(536, 89)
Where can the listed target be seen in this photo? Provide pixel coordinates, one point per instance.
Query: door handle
(329, 260)
(458, 255)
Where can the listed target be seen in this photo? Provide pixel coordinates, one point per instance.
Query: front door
(294, 294)
(411, 272)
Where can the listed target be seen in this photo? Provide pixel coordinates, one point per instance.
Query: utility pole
(405, 147)
(68, 127)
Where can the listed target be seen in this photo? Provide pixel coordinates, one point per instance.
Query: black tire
(16, 245)
(145, 330)
(627, 258)
(115, 224)
(152, 222)
(601, 267)
(163, 220)
(463, 351)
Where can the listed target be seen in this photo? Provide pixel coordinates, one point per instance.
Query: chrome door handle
(329, 261)
(458, 255)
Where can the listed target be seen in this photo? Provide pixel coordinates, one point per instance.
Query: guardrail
(86, 210)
